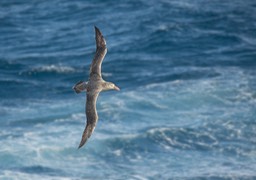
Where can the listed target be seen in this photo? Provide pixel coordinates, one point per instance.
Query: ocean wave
(226, 139)
(38, 169)
(17, 175)
(237, 89)
(54, 68)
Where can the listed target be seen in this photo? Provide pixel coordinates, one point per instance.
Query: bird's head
(111, 86)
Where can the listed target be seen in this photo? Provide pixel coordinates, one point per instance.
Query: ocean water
(187, 105)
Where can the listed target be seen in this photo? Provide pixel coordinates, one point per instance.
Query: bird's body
(94, 86)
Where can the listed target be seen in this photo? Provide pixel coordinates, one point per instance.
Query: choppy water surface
(187, 71)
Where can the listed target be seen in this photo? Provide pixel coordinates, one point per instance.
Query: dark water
(187, 70)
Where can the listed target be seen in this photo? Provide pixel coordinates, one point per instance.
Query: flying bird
(94, 86)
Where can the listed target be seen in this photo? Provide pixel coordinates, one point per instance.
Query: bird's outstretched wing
(101, 50)
(91, 115)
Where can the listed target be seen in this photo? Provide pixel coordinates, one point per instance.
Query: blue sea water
(187, 105)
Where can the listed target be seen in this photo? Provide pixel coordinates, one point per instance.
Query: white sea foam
(118, 152)
(54, 68)
(16, 175)
(106, 74)
(138, 177)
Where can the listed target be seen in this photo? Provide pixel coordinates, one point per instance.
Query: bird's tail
(80, 86)
(87, 133)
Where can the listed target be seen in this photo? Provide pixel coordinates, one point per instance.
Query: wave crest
(216, 139)
(54, 68)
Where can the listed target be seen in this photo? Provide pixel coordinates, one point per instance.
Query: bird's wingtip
(80, 145)
(100, 40)
(87, 133)
(96, 28)
(85, 137)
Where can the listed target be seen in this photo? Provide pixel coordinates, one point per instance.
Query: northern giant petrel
(94, 86)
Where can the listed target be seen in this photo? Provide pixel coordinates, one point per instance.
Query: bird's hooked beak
(116, 88)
